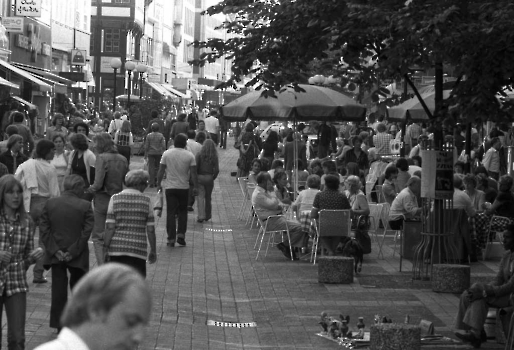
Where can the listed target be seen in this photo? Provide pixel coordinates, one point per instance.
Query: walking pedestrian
(123, 139)
(65, 227)
(179, 165)
(155, 145)
(207, 166)
(212, 125)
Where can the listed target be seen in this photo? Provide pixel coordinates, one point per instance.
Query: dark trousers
(136, 263)
(125, 152)
(214, 137)
(176, 204)
(191, 197)
(37, 204)
(323, 150)
(223, 140)
(396, 224)
(60, 289)
(15, 309)
(154, 161)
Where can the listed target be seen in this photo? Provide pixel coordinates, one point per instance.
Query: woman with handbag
(360, 212)
(248, 150)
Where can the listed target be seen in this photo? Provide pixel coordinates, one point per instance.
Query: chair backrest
(334, 222)
(250, 187)
(502, 221)
(375, 211)
(242, 181)
(380, 194)
(385, 213)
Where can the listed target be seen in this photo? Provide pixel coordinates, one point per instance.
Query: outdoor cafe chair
(263, 230)
(330, 223)
(375, 215)
(494, 234)
(397, 233)
(242, 181)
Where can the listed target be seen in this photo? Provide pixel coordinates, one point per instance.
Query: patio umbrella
(315, 103)
(412, 108)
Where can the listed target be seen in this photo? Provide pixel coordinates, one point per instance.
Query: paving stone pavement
(216, 277)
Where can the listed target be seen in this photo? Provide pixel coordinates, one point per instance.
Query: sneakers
(181, 241)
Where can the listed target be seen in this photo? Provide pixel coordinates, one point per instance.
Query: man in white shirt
(405, 205)
(492, 159)
(212, 125)
(460, 198)
(179, 165)
(109, 309)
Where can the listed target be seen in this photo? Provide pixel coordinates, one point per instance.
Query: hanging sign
(13, 24)
(29, 8)
(437, 179)
(78, 57)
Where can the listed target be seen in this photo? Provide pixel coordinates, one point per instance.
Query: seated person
(265, 204)
(329, 167)
(403, 174)
(302, 175)
(315, 168)
(306, 197)
(482, 172)
(256, 169)
(388, 188)
(405, 204)
(460, 199)
(330, 198)
(474, 302)
(503, 205)
(458, 168)
(477, 197)
(281, 191)
(276, 166)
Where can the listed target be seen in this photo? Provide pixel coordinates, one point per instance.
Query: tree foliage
(367, 42)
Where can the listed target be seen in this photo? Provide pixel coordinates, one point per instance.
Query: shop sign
(33, 42)
(13, 24)
(29, 8)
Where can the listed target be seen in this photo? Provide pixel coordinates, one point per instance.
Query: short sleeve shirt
(334, 200)
(178, 162)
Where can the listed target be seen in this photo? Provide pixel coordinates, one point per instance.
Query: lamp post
(115, 64)
(141, 68)
(129, 66)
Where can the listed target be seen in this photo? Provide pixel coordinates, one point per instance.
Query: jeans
(214, 137)
(205, 187)
(60, 289)
(176, 205)
(125, 151)
(153, 165)
(137, 263)
(37, 204)
(101, 203)
(15, 309)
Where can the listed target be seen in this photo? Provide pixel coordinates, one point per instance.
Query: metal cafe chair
(263, 230)
(330, 223)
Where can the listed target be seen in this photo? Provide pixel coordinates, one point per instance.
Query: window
(189, 22)
(92, 40)
(112, 40)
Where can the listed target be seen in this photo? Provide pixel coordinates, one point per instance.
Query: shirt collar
(71, 340)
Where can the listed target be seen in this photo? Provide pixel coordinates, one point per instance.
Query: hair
(104, 143)
(13, 139)
(181, 117)
(43, 147)
(494, 140)
(457, 181)
(353, 180)
(136, 178)
(332, 182)
(125, 126)
(356, 139)
(481, 170)
(79, 141)
(412, 180)
(191, 134)
(364, 135)
(459, 163)
(154, 127)
(11, 130)
(208, 152)
(381, 127)
(249, 127)
(180, 141)
(17, 117)
(117, 115)
(56, 117)
(272, 137)
(265, 164)
(316, 162)
(402, 164)
(100, 290)
(470, 179)
(390, 171)
(417, 159)
(154, 114)
(200, 137)
(7, 183)
(59, 136)
(505, 183)
(257, 160)
(289, 136)
(417, 173)
(314, 181)
(353, 169)
(329, 165)
(262, 176)
(84, 125)
(213, 112)
(278, 175)
(277, 163)
(72, 182)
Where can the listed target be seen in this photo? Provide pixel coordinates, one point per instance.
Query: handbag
(361, 233)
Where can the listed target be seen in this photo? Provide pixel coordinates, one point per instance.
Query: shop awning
(160, 89)
(45, 73)
(173, 91)
(8, 83)
(26, 103)
(42, 86)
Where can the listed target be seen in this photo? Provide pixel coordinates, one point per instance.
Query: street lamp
(115, 64)
(141, 68)
(129, 66)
